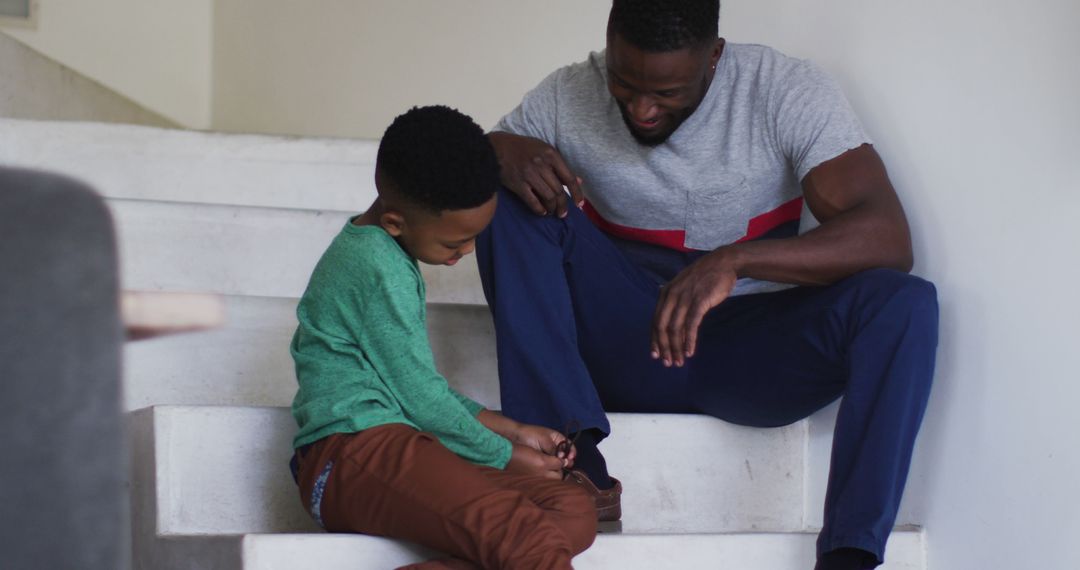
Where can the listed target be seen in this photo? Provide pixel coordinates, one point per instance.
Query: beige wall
(346, 68)
(33, 86)
(156, 52)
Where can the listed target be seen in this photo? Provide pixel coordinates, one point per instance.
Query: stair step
(146, 163)
(247, 361)
(744, 551)
(222, 470)
(241, 250)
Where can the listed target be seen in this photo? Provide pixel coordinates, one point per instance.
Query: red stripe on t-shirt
(765, 223)
(671, 239)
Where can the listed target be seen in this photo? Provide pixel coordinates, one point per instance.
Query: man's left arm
(862, 227)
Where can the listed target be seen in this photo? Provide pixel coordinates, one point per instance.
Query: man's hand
(536, 172)
(685, 300)
(529, 461)
(862, 226)
(545, 440)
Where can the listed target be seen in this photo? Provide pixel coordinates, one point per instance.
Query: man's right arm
(525, 144)
(536, 172)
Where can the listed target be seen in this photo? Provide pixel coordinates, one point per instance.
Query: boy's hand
(541, 439)
(526, 460)
(545, 440)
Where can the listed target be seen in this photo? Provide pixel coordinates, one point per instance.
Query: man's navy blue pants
(573, 315)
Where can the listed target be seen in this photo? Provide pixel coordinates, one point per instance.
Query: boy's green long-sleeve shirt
(362, 353)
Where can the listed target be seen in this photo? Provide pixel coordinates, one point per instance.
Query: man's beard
(678, 119)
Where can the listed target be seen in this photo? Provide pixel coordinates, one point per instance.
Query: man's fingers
(693, 322)
(542, 191)
(567, 178)
(560, 168)
(577, 192)
(654, 337)
(525, 192)
(676, 331)
(556, 187)
(660, 326)
(532, 162)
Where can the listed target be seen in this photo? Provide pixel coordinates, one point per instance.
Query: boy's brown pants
(395, 481)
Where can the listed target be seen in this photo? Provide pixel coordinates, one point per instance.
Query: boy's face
(440, 239)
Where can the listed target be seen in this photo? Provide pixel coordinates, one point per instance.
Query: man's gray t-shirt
(731, 172)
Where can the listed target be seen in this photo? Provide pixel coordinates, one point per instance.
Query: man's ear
(717, 50)
(393, 222)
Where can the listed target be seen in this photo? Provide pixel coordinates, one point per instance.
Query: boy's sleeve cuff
(505, 451)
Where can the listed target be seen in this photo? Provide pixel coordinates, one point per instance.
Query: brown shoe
(608, 502)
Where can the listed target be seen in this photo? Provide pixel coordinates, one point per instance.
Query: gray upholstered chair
(63, 450)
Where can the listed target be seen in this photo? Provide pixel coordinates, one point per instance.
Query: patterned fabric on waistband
(317, 493)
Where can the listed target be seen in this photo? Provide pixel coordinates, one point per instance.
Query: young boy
(385, 446)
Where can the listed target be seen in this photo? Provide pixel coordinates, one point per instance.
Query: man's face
(656, 92)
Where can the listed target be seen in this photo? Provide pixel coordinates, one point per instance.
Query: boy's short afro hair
(439, 159)
(665, 25)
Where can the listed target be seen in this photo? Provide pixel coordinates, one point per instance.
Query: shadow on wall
(36, 87)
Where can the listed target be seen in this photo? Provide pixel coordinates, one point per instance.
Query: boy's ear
(393, 222)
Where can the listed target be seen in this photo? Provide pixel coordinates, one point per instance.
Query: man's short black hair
(665, 25)
(439, 159)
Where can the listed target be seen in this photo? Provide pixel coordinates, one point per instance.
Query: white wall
(156, 52)
(334, 67)
(975, 107)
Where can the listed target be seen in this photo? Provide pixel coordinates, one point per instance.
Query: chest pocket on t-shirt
(717, 210)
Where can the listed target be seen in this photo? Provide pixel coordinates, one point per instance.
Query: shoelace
(564, 446)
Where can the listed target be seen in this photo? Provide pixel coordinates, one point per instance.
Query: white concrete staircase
(218, 473)
(248, 217)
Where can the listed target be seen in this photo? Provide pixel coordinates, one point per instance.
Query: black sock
(846, 559)
(590, 460)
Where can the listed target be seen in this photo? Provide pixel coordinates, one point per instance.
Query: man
(675, 278)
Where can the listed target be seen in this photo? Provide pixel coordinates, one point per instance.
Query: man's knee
(902, 291)
(513, 210)
(514, 213)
